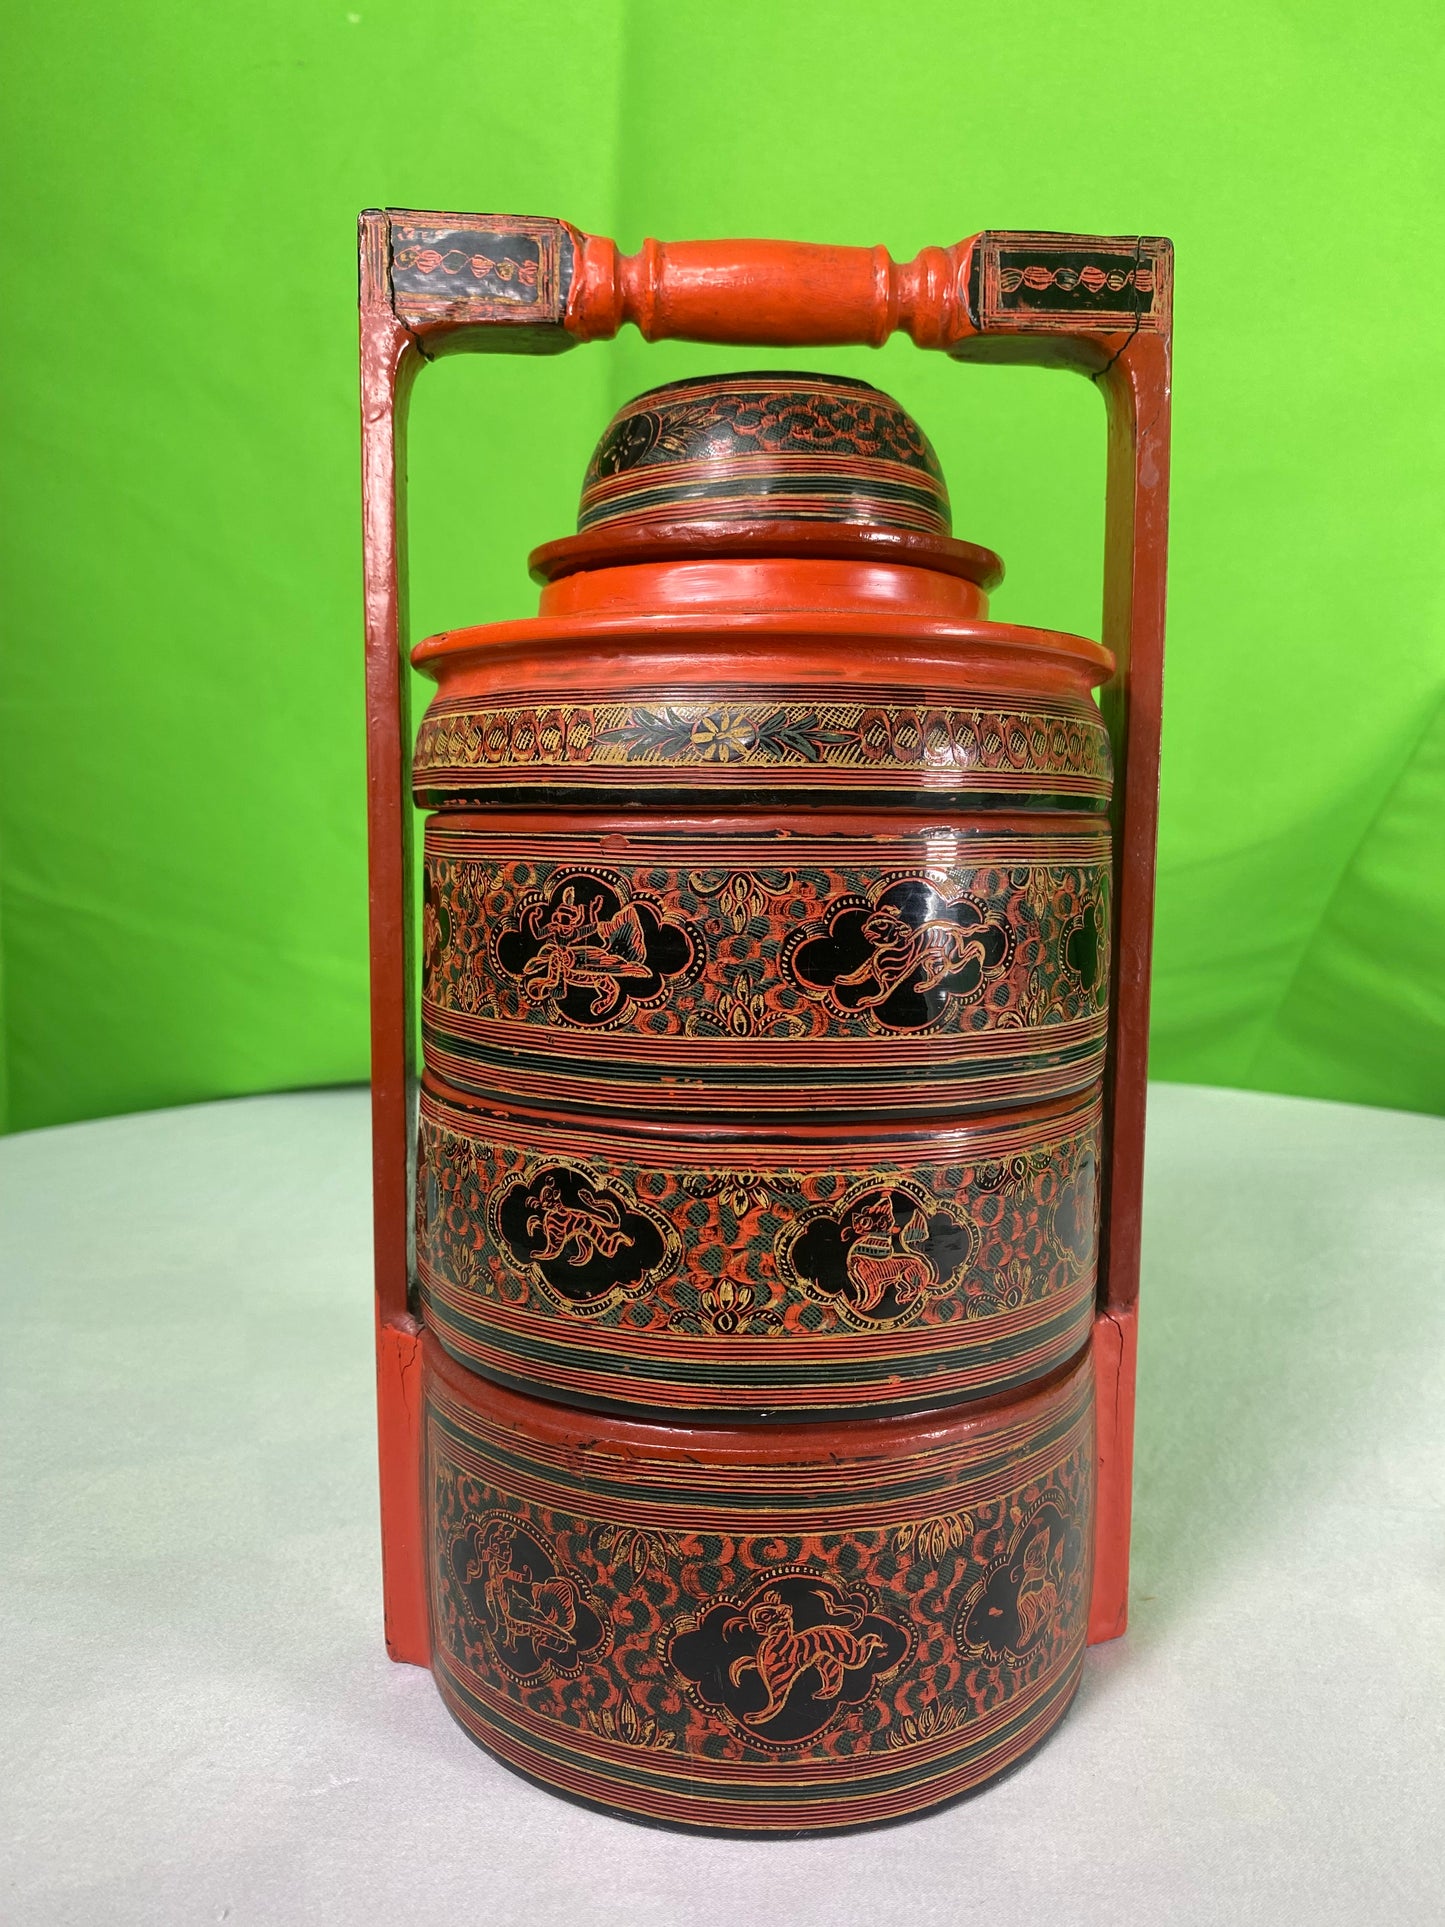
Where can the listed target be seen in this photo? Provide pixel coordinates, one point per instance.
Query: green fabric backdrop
(181, 847)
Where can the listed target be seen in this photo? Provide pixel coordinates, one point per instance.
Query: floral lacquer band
(769, 1631)
(1048, 751)
(926, 969)
(791, 1274)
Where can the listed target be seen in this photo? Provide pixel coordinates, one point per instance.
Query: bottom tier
(780, 1629)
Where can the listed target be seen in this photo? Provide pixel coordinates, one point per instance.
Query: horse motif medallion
(578, 1232)
(1085, 949)
(902, 956)
(785, 1653)
(789, 1658)
(535, 1616)
(588, 1245)
(590, 953)
(1020, 1600)
(879, 1255)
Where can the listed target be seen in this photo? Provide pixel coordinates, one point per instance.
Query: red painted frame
(434, 283)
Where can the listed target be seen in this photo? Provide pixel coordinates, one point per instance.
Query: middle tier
(823, 963)
(788, 1269)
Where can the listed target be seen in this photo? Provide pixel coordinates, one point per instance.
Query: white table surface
(201, 1724)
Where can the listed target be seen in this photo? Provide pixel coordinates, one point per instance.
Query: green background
(181, 846)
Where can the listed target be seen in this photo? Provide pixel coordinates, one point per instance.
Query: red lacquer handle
(526, 284)
(768, 293)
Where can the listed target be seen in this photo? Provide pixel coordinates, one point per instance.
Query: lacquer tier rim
(530, 633)
(751, 1418)
(808, 1128)
(723, 1442)
(764, 1834)
(717, 540)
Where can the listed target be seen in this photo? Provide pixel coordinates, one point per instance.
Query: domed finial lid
(748, 466)
(756, 447)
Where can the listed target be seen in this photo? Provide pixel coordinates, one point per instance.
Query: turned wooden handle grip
(784, 294)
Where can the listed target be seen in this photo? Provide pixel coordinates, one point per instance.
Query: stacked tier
(765, 995)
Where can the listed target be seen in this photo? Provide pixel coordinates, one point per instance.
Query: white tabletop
(202, 1726)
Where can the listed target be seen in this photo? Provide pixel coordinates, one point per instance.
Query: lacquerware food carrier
(757, 1268)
